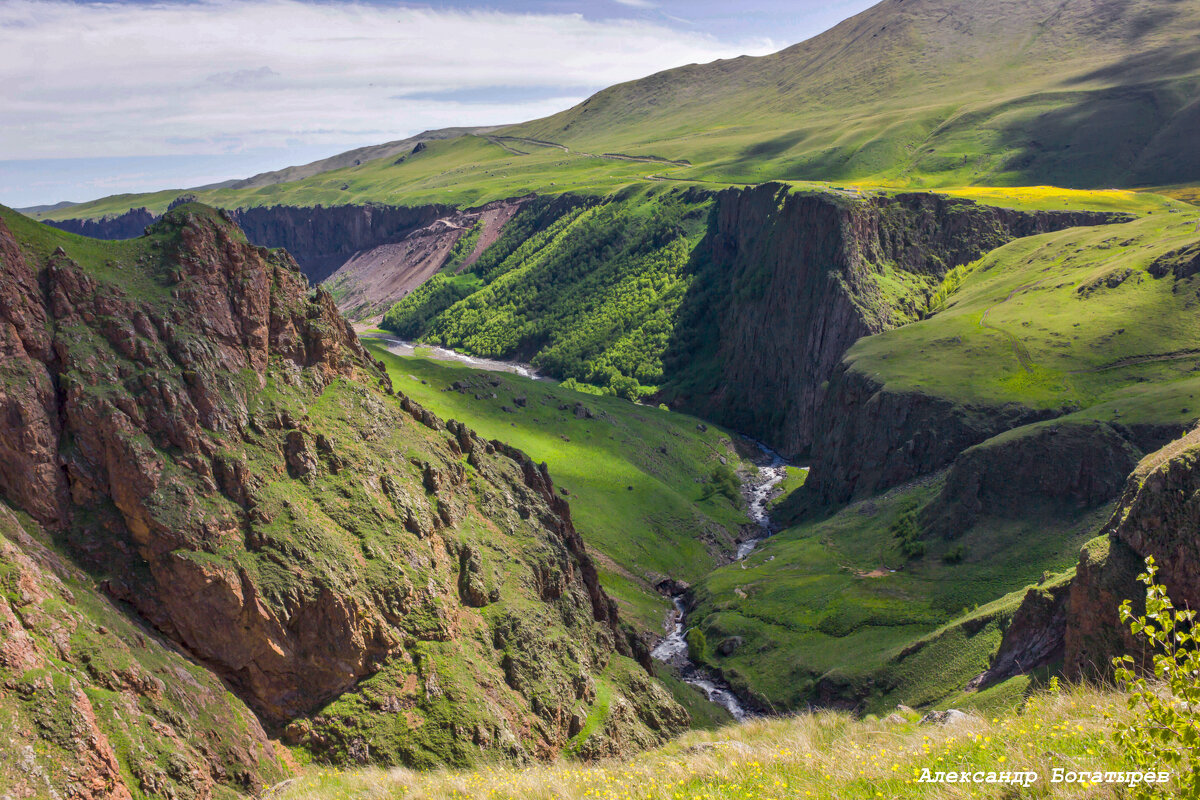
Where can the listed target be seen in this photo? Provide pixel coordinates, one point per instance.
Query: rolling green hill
(1086, 94)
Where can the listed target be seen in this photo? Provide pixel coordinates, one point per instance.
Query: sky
(130, 96)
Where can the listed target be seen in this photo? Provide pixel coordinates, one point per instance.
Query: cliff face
(215, 446)
(869, 439)
(320, 239)
(789, 281)
(1079, 465)
(1158, 515)
(129, 225)
(372, 280)
(96, 706)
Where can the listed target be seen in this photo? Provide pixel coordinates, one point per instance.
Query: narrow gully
(673, 650)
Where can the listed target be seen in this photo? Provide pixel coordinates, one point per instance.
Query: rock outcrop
(870, 439)
(369, 282)
(94, 706)
(1079, 465)
(1158, 515)
(790, 280)
(210, 439)
(1033, 638)
(1076, 620)
(321, 239)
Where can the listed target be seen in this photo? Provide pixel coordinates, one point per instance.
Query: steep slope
(387, 250)
(1090, 323)
(213, 444)
(374, 279)
(1155, 516)
(93, 705)
(785, 282)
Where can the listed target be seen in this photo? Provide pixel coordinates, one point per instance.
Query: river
(758, 490)
(404, 348)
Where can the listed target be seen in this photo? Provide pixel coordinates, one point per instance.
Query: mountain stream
(758, 490)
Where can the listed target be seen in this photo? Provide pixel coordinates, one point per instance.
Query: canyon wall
(787, 281)
(320, 238)
(129, 225)
(1077, 621)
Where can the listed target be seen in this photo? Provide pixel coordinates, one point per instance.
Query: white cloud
(231, 75)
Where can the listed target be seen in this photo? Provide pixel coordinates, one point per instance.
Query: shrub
(954, 555)
(723, 481)
(907, 531)
(1166, 733)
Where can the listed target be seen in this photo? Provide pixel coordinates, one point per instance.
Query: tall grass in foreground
(822, 755)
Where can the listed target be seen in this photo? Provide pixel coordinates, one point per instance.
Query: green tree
(1165, 736)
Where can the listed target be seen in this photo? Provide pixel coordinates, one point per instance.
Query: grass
(167, 720)
(634, 474)
(1075, 323)
(589, 293)
(793, 479)
(1065, 320)
(831, 608)
(822, 755)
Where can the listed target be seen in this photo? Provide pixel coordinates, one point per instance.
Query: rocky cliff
(95, 705)
(1072, 464)
(209, 440)
(1076, 620)
(129, 225)
(372, 280)
(1158, 515)
(788, 281)
(320, 238)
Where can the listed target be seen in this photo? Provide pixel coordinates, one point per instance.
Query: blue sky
(101, 98)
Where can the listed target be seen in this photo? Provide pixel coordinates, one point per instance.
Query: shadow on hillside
(1134, 135)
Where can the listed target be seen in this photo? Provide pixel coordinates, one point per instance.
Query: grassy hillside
(824, 755)
(834, 612)
(588, 293)
(1080, 318)
(1087, 94)
(639, 480)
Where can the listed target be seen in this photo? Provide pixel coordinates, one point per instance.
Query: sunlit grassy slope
(1090, 94)
(826, 755)
(1086, 94)
(637, 477)
(1066, 319)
